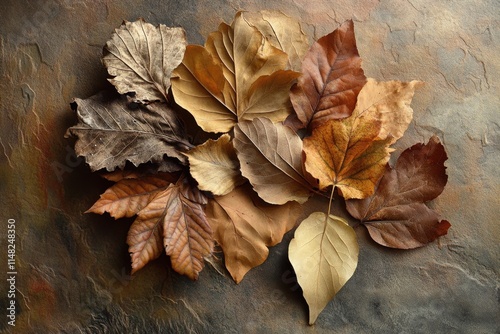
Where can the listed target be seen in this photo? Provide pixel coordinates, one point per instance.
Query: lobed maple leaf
(330, 82)
(245, 226)
(141, 57)
(395, 215)
(237, 75)
(111, 132)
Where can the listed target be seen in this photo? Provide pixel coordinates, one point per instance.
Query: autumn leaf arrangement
(222, 145)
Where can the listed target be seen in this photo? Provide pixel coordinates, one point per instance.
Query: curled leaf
(141, 57)
(214, 166)
(271, 158)
(245, 226)
(324, 254)
(111, 132)
(395, 215)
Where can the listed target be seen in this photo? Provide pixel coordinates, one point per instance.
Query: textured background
(73, 268)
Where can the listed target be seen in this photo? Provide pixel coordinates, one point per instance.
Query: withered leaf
(215, 166)
(331, 80)
(110, 132)
(347, 154)
(141, 57)
(130, 195)
(324, 254)
(176, 223)
(245, 226)
(284, 33)
(237, 75)
(270, 155)
(395, 214)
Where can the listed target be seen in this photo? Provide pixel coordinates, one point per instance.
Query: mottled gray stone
(73, 268)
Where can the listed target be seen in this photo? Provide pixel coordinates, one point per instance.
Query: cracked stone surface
(73, 269)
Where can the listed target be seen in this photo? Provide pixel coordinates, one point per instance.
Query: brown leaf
(175, 223)
(130, 195)
(284, 33)
(396, 215)
(271, 159)
(215, 166)
(142, 57)
(238, 75)
(110, 132)
(245, 226)
(331, 80)
(347, 154)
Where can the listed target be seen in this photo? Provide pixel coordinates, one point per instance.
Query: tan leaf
(238, 75)
(175, 223)
(324, 254)
(331, 80)
(270, 155)
(110, 133)
(347, 154)
(130, 195)
(141, 57)
(215, 166)
(389, 102)
(245, 226)
(284, 33)
(396, 215)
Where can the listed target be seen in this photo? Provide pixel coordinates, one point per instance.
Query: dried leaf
(238, 75)
(245, 226)
(271, 158)
(396, 215)
(324, 254)
(110, 132)
(389, 102)
(130, 195)
(175, 223)
(142, 57)
(347, 154)
(215, 166)
(331, 80)
(284, 33)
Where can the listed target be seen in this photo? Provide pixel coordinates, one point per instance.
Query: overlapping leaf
(141, 57)
(174, 220)
(396, 215)
(271, 158)
(110, 132)
(245, 226)
(324, 254)
(331, 80)
(237, 75)
(215, 166)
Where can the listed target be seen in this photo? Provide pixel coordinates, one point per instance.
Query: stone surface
(73, 269)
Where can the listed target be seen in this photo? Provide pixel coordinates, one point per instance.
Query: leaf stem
(330, 203)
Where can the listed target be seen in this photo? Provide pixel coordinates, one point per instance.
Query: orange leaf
(245, 226)
(396, 215)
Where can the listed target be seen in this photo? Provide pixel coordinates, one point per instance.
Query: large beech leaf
(174, 220)
(245, 226)
(395, 214)
(284, 33)
(141, 57)
(347, 154)
(331, 80)
(130, 194)
(215, 166)
(270, 155)
(237, 75)
(324, 254)
(111, 132)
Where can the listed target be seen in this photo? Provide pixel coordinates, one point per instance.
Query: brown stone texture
(73, 268)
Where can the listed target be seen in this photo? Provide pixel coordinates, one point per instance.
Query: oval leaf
(324, 254)
(142, 57)
(271, 159)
